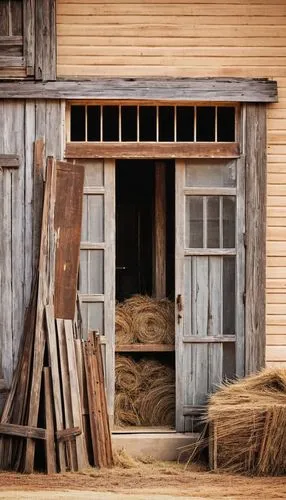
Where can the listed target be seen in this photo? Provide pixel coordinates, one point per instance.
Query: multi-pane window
(150, 123)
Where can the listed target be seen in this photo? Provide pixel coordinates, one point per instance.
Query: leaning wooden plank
(93, 417)
(83, 396)
(105, 419)
(67, 405)
(67, 434)
(56, 384)
(51, 464)
(75, 395)
(39, 345)
(68, 216)
(23, 431)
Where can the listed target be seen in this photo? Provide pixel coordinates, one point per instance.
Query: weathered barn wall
(21, 123)
(244, 38)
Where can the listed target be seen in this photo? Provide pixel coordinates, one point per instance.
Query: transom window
(152, 123)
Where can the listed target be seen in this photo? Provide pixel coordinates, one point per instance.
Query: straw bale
(152, 320)
(125, 410)
(249, 418)
(127, 376)
(123, 324)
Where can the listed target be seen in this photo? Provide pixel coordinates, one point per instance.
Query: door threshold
(143, 430)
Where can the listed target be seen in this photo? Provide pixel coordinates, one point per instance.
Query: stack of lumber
(146, 320)
(248, 422)
(42, 425)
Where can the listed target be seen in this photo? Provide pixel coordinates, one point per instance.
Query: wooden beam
(9, 161)
(152, 150)
(45, 40)
(67, 434)
(23, 431)
(145, 348)
(143, 89)
(159, 258)
(255, 237)
(50, 431)
(29, 35)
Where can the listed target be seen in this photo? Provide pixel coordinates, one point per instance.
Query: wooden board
(68, 216)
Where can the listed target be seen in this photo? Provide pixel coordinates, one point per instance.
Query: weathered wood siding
(21, 123)
(244, 38)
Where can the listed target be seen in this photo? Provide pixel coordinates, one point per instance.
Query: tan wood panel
(134, 2)
(277, 339)
(276, 353)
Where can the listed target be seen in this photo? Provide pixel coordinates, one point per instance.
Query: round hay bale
(127, 376)
(152, 320)
(157, 405)
(153, 373)
(125, 411)
(123, 323)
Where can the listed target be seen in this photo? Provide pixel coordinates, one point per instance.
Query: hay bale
(123, 325)
(145, 392)
(249, 418)
(152, 320)
(127, 376)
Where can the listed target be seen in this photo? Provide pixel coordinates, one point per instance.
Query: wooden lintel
(152, 150)
(9, 161)
(23, 431)
(67, 434)
(165, 89)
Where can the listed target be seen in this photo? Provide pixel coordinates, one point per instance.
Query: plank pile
(46, 423)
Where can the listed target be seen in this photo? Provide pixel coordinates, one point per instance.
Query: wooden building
(194, 91)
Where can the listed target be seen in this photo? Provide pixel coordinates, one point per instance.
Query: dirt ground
(146, 481)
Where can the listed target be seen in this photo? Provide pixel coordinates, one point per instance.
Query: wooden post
(159, 260)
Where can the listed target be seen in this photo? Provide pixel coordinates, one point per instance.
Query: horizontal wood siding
(243, 38)
(21, 123)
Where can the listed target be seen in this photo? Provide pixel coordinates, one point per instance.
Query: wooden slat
(29, 39)
(56, 383)
(67, 434)
(152, 150)
(255, 237)
(196, 339)
(45, 36)
(68, 217)
(165, 89)
(49, 444)
(39, 345)
(23, 431)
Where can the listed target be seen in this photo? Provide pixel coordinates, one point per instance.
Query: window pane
(78, 123)
(205, 123)
(147, 123)
(92, 220)
(129, 123)
(210, 173)
(228, 295)
(213, 222)
(166, 123)
(93, 123)
(92, 317)
(229, 221)
(194, 221)
(226, 124)
(91, 271)
(110, 123)
(185, 123)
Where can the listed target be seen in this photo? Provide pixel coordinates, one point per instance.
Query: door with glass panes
(209, 280)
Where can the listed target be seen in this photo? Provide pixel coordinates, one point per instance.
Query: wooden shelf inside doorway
(145, 348)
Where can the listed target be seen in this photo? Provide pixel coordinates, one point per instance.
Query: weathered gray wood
(16, 17)
(255, 237)
(170, 89)
(50, 431)
(240, 269)
(29, 38)
(8, 61)
(45, 37)
(23, 431)
(9, 161)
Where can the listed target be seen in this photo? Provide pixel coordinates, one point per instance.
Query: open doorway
(145, 327)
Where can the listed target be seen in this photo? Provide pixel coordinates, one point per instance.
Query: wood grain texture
(68, 217)
(159, 259)
(255, 237)
(45, 40)
(153, 150)
(166, 89)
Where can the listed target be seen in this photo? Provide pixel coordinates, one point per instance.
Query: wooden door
(210, 279)
(97, 260)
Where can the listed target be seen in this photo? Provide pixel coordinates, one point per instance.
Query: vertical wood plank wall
(21, 123)
(245, 38)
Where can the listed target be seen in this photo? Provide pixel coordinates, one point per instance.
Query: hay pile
(144, 392)
(145, 320)
(249, 418)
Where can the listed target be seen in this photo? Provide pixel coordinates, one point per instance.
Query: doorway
(145, 328)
